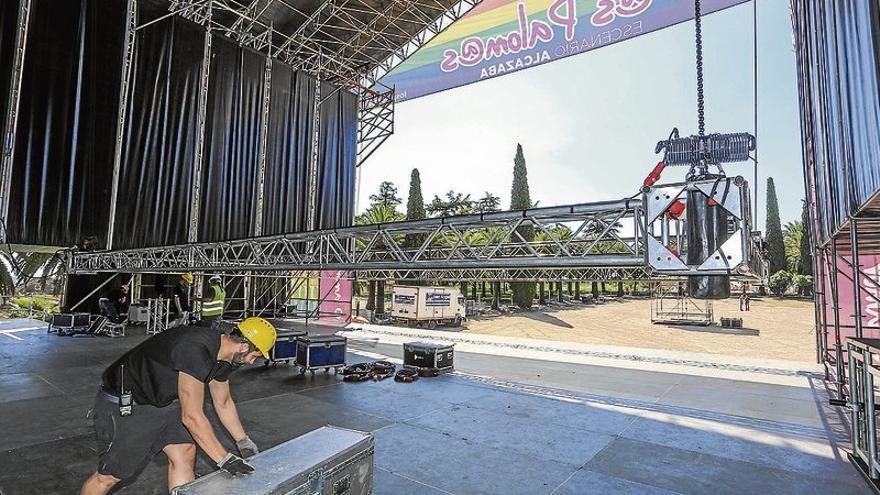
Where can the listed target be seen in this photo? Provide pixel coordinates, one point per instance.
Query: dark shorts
(126, 444)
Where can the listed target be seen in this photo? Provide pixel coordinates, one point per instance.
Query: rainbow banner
(498, 37)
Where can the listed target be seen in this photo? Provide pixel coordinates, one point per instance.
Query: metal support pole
(835, 301)
(311, 217)
(96, 289)
(11, 123)
(857, 290)
(127, 56)
(247, 291)
(136, 287)
(264, 133)
(200, 143)
(870, 415)
(854, 397)
(821, 301)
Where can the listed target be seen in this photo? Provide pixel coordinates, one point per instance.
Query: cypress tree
(415, 210)
(523, 292)
(806, 259)
(775, 243)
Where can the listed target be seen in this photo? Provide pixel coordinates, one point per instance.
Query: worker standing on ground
(180, 297)
(151, 400)
(212, 303)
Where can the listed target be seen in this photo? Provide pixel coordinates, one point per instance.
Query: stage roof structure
(356, 41)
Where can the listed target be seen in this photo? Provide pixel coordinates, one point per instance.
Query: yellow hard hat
(260, 332)
(124, 287)
(187, 277)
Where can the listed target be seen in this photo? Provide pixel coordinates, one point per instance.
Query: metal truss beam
(7, 144)
(375, 122)
(510, 274)
(352, 39)
(608, 240)
(567, 239)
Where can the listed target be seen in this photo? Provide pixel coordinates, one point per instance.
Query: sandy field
(773, 329)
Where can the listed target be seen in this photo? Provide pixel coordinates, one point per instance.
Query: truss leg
(11, 117)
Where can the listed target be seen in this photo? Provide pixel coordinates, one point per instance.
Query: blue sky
(588, 123)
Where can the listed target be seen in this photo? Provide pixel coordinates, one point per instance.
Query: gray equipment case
(326, 461)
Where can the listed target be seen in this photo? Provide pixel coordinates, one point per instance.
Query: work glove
(247, 447)
(235, 465)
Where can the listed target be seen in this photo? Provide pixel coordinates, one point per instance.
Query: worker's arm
(177, 305)
(225, 407)
(192, 395)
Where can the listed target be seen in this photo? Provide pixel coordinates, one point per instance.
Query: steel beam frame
(11, 117)
(375, 122)
(202, 15)
(127, 57)
(468, 247)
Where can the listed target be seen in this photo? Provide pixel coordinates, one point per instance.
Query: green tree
(775, 242)
(803, 283)
(523, 292)
(378, 213)
(415, 208)
(488, 203)
(780, 282)
(792, 234)
(806, 258)
(387, 195)
(454, 204)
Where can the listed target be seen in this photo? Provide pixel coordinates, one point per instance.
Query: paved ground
(505, 423)
(774, 328)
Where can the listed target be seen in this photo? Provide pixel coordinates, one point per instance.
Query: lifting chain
(701, 116)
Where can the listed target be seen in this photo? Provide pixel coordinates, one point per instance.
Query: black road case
(438, 357)
(66, 322)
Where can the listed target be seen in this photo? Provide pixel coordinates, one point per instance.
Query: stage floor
(499, 425)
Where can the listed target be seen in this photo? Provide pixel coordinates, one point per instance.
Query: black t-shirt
(183, 294)
(119, 299)
(150, 369)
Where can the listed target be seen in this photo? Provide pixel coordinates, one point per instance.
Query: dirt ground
(773, 329)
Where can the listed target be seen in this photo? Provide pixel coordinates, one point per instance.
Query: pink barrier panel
(335, 290)
(870, 265)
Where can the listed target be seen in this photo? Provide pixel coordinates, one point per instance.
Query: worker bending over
(151, 400)
(212, 303)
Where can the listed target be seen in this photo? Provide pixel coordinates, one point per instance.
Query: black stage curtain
(8, 29)
(288, 150)
(232, 142)
(66, 131)
(337, 148)
(153, 206)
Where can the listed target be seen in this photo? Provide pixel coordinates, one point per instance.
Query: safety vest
(214, 307)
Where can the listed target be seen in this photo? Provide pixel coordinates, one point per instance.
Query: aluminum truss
(571, 242)
(609, 240)
(375, 122)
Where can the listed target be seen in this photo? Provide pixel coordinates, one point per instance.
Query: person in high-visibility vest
(212, 303)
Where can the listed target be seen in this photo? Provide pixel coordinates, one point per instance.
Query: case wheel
(302, 370)
(432, 325)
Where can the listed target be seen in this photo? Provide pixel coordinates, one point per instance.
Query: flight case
(326, 461)
(321, 351)
(438, 357)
